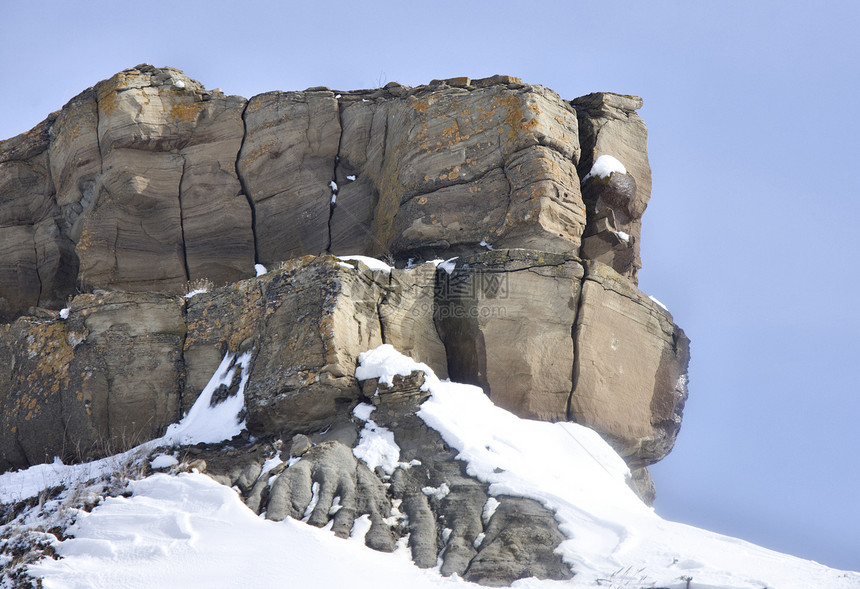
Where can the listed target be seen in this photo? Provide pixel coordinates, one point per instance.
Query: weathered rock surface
(609, 125)
(448, 166)
(506, 318)
(99, 382)
(631, 367)
(123, 366)
(427, 496)
(147, 186)
(543, 337)
(148, 180)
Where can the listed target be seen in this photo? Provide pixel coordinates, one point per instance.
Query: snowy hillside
(186, 530)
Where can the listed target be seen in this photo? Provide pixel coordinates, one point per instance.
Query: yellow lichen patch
(423, 104)
(308, 377)
(108, 101)
(259, 152)
(516, 118)
(48, 342)
(452, 131)
(185, 112)
(85, 241)
(453, 174)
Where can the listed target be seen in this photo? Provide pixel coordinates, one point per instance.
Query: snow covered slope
(188, 531)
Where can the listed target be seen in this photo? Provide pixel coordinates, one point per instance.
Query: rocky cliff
(148, 187)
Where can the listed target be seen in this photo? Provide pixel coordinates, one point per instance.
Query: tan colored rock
(319, 317)
(127, 370)
(430, 170)
(217, 223)
(75, 158)
(631, 367)
(25, 189)
(131, 238)
(506, 318)
(307, 321)
(148, 181)
(167, 205)
(19, 274)
(406, 313)
(287, 163)
(103, 380)
(25, 203)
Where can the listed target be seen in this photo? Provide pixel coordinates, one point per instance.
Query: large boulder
(319, 316)
(506, 317)
(307, 322)
(105, 379)
(441, 168)
(631, 367)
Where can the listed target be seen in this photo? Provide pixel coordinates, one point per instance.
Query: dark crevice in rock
(379, 304)
(244, 185)
(98, 131)
(573, 329)
(498, 229)
(385, 137)
(334, 184)
(182, 221)
(20, 445)
(183, 371)
(36, 264)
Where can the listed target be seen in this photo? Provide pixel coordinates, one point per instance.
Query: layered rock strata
(546, 336)
(147, 184)
(148, 180)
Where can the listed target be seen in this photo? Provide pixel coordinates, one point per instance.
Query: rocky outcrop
(148, 186)
(148, 180)
(148, 183)
(630, 370)
(547, 336)
(448, 516)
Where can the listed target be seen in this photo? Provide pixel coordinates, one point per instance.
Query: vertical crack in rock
(499, 229)
(36, 264)
(182, 221)
(98, 132)
(20, 444)
(573, 334)
(379, 304)
(334, 184)
(244, 185)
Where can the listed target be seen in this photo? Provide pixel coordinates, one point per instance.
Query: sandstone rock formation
(148, 180)
(547, 336)
(148, 185)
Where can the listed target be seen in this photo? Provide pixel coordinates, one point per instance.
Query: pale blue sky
(749, 238)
